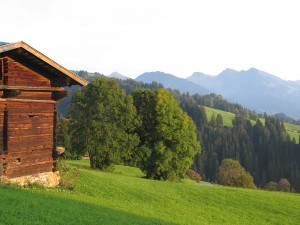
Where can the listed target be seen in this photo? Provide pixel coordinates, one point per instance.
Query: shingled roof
(24, 52)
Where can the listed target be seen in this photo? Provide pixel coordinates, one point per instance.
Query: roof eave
(21, 44)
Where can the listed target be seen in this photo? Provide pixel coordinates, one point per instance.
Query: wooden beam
(25, 88)
(57, 95)
(25, 100)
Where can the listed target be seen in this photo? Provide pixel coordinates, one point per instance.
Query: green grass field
(227, 116)
(292, 129)
(123, 197)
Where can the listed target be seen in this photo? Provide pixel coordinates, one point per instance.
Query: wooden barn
(30, 86)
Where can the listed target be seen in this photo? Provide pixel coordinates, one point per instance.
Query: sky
(179, 37)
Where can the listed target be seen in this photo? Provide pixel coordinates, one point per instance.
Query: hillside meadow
(124, 197)
(292, 129)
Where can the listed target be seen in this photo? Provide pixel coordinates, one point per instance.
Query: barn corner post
(31, 84)
(54, 150)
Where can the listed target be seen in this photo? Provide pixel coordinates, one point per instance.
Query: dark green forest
(265, 151)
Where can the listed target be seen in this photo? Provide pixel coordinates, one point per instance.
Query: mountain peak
(171, 81)
(227, 70)
(148, 77)
(262, 74)
(228, 73)
(255, 70)
(118, 76)
(200, 74)
(252, 69)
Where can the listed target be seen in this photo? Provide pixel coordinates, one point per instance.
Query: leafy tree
(266, 151)
(64, 137)
(284, 185)
(271, 186)
(167, 134)
(213, 121)
(219, 120)
(231, 173)
(103, 123)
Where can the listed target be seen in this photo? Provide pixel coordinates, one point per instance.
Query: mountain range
(118, 76)
(173, 82)
(253, 89)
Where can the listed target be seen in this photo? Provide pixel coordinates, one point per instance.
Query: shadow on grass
(19, 206)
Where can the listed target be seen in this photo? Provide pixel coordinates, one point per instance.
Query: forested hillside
(265, 150)
(293, 129)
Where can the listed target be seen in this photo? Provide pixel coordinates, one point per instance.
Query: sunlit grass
(122, 197)
(227, 116)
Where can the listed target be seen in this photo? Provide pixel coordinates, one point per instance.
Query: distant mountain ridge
(118, 76)
(173, 82)
(254, 89)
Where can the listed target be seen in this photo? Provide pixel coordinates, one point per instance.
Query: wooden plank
(26, 131)
(23, 162)
(25, 100)
(31, 88)
(12, 94)
(42, 150)
(25, 158)
(30, 147)
(20, 75)
(30, 169)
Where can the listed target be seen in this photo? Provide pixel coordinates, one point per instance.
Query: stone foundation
(48, 179)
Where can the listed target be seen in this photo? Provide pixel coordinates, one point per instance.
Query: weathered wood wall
(29, 138)
(15, 74)
(27, 128)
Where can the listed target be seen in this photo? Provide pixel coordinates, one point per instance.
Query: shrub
(271, 186)
(67, 175)
(284, 185)
(193, 175)
(232, 174)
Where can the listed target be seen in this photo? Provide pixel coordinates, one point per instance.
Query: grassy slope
(125, 198)
(292, 129)
(227, 116)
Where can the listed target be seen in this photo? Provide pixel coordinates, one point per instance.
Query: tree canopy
(231, 173)
(264, 148)
(167, 134)
(103, 123)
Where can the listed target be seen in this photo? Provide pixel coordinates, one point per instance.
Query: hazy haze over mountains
(254, 89)
(118, 75)
(173, 82)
